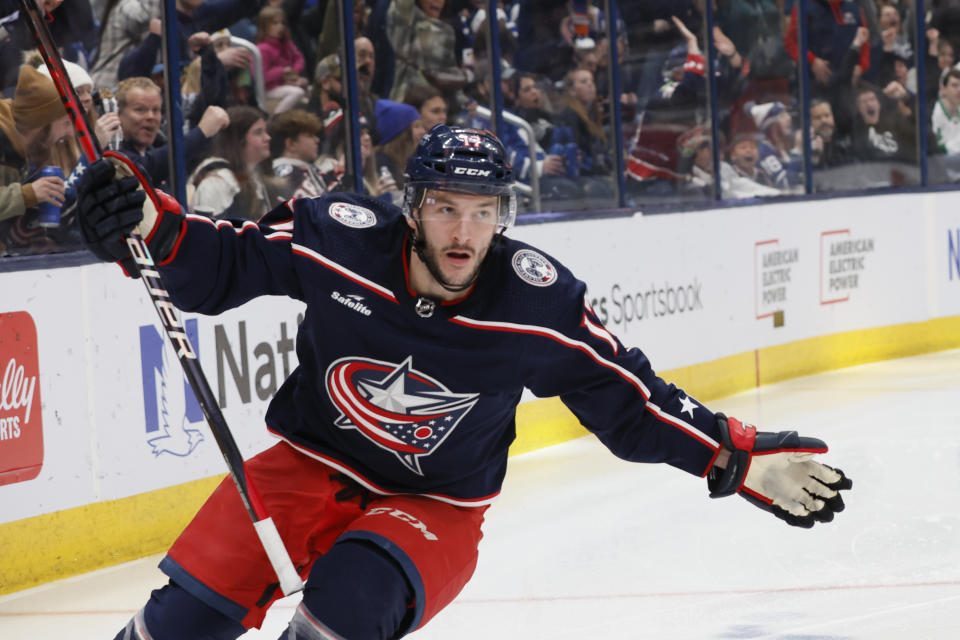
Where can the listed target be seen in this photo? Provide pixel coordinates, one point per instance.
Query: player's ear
(414, 215)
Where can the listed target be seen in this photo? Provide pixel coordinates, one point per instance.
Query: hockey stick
(290, 581)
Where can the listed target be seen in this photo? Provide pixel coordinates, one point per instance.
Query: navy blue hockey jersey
(426, 405)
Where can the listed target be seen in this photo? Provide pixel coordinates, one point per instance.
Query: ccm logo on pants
(406, 517)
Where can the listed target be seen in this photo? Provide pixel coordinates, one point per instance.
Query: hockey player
(422, 327)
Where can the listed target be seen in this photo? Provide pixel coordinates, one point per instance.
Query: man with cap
(30, 125)
(327, 86)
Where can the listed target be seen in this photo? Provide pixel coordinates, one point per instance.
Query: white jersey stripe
(342, 270)
(590, 351)
(599, 332)
(247, 225)
(559, 337)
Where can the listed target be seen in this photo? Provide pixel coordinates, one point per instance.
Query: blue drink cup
(49, 213)
(573, 159)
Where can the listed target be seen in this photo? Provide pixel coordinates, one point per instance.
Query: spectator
(366, 68)
(838, 44)
(783, 168)
(127, 25)
(282, 61)
(755, 28)
(678, 108)
(376, 181)
(430, 103)
(514, 140)
(628, 97)
(140, 106)
(741, 177)
(377, 32)
(32, 126)
(654, 37)
(399, 130)
(327, 86)
(828, 148)
(16, 37)
(946, 115)
(941, 55)
(881, 131)
(532, 107)
(105, 126)
(423, 46)
(696, 163)
(894, 45)
(229, 184)
(580, 113)
(328, 43)
(295, 146)
(541, 47)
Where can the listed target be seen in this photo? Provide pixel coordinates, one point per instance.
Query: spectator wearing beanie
(782, 166)
(397, 131)
(105, 127)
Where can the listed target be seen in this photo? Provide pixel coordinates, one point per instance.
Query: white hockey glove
(776, 472)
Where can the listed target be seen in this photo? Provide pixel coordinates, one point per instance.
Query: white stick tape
(290, 581)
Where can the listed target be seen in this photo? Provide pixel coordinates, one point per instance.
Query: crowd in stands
(263, 98)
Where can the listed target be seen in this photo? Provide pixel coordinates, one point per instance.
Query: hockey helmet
(461, 160)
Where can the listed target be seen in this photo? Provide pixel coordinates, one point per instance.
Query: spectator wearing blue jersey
(778, 159)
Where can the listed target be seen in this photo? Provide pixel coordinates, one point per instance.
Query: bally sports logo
(21, 424)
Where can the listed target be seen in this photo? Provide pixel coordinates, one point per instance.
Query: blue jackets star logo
(395, 406)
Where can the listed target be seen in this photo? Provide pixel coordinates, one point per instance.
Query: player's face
(457, 229)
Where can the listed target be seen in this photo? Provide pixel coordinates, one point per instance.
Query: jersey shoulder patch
(352, 215)
(534, 268)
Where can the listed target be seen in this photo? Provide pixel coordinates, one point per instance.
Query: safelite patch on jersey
(534, 268)
(352, 215)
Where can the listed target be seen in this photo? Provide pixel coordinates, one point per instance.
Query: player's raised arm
(208, 265)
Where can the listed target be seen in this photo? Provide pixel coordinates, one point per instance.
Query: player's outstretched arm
(776, 472)
(111, 202)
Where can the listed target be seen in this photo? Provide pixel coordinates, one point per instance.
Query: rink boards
(104, 455)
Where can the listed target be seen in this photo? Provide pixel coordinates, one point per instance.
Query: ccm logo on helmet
(469, 171)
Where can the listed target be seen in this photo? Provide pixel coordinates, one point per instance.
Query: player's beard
(431, 256)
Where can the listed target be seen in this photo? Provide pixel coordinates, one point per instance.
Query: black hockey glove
(775, 472)
(114, 199)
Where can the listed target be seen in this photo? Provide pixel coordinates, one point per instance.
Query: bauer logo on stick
(398, 408)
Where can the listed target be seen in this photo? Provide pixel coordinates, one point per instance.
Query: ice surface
(583, 545)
